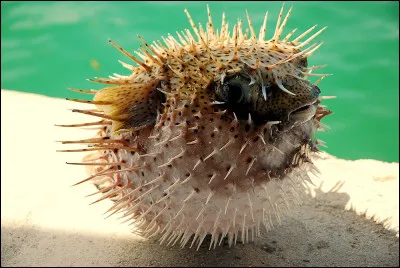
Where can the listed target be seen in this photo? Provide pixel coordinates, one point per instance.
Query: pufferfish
(210, 134)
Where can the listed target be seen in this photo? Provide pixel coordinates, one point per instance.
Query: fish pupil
(234, 93)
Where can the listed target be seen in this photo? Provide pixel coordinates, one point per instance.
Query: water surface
(49, 46)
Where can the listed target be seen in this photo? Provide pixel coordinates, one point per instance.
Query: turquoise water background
(49, 46)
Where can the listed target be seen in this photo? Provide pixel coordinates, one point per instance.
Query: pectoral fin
(133, 105)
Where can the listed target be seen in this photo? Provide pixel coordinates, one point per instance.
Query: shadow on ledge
(318, 233)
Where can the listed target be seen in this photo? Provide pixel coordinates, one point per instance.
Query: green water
(49, 46)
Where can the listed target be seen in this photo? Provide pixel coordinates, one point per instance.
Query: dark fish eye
(233, 90)
(232, 93)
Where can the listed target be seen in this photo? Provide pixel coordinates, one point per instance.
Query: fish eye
(233, 91)
(234, 94)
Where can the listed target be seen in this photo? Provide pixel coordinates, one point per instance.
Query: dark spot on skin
(115, 151)
(142, 174)
(196, 190)
(212, 135)
(228, 168)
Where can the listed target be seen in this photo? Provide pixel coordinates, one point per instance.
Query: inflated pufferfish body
(210, 134)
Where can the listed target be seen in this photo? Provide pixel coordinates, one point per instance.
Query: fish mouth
(300, 116)
(304, 113)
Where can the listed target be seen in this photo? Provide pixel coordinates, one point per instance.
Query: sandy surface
(45, 222)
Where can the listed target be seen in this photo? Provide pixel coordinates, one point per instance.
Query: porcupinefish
(209, 134)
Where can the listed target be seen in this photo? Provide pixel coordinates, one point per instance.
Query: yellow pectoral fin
(132, 106)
